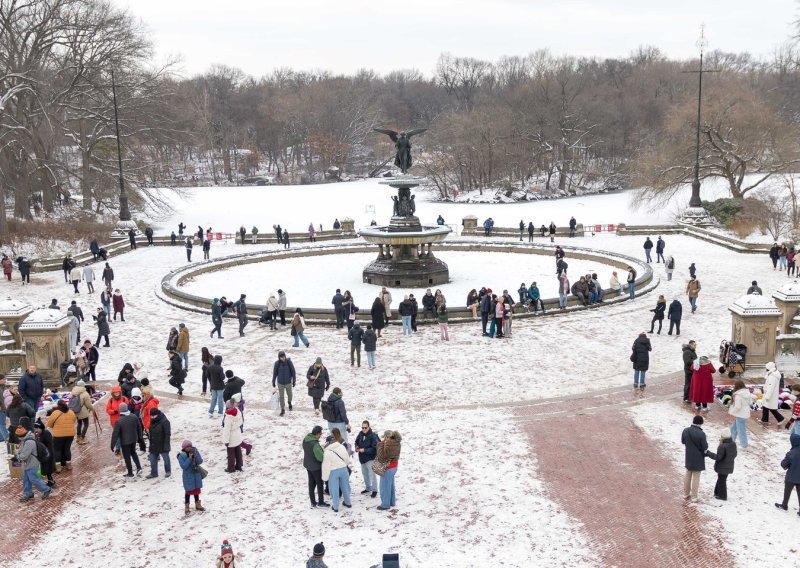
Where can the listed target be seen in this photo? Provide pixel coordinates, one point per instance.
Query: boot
(186, 508)
(198, 506)
(83, 441)
(58, 468)
(68, 467)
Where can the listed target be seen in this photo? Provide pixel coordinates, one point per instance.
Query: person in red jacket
(795, 408)
(701, 389)
(119, 304)
(112, 409)
(150, 401)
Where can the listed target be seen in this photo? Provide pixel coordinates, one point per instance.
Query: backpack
(75, 404)
(328, 411)
(42, 453)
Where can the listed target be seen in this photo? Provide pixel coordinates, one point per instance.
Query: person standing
(386, 298)
(189, 459)
(8, 267)
(284, 374)
(769, 402)
(658, 314)
(773, 256)
(75, 278)
(118, 303)
(521, 229)
(367, 450)
(370, 346)
(689, 356)
(272, 311)
(723, 463)
(183, 345)
(28, 455)
(88, 277)
(486, 308)
(696, 449)
(313, 454)
(660, 244)
(83, 410)
(282, 306)
(648, 246)
(188, 245)
(531, 231)
(106, 300)
(693, 290)
(356, 337)
(405, 308)
(31, 387)
(337, 308)
(701, 391)
(349, 309)
(286, 238)
(311, 232)
(216, 318)
(232, 437)
(339, 413)
(740, 411)
(414, 312)
(564, 290)
(108, 275)
(48, 466)
(112, 409)
(572, 225)
(132, 238)
(318, 381)
(241, 313)
(128, 430)
(148, 232)
(206, 249)
(216, 383)
(640, 357)
(669, 267)
(102, 327)
(92, 358)
(177, 374)
(5, 393)
(159, 434)
(16, 410)
(62, 424)
(24, 267)
(378, 313)
(631, 282)
(335, 466)
(298, 329)
(442, 317)
(389, 453)
(67, 265)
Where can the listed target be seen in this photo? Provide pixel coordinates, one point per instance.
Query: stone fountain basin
(383, 235)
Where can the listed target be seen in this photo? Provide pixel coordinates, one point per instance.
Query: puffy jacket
(62, 424)
(191, 478)
(128, 430)
(369, 442)
(176, 370)
(284, 373)
(370, 340)
(356, 334)
(312, 453)
(486, 304)
(298, 323)
(231, 428)
(675, 312)
(658, 312)
(152, 402)
(216, 375)
(740, 405)
(28, 453)
(405, 308)
(232, 386)
(641, 354)
(771, 387)
(86, 402)
(160, 434)
(339, 410)
(335, 457)
(112, 406)
(723, 459)
(689, 356)
(533, 293)
(428, 301)
(31, 387)
(693, 288)
(791, 463)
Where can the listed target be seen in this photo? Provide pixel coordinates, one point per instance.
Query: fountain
(405, 259)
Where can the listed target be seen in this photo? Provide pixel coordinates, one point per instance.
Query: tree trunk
(4, 232)
(22, 208)
(226, 163)
(86, 172)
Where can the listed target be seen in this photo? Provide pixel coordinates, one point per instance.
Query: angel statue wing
(414, 132)
(390, 133)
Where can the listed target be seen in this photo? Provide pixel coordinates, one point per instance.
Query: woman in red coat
(701, 390)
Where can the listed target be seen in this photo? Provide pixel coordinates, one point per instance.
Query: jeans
(288, 390)
(632, 290)
(406, 325)
(107, 310)
(660, 257)
(341, 426)
(647, 255)
(83, 427)
(339, 480)
(638, 377)
(217, 329)
(33, 403)
(562, 300)
(484, 321)
(370, 483)
(3, 429)
(216, 400)
(31, 479)
(315, 482)
(782, 262)
(739, 427)
(300, 336)
(185, 355)
(693, 303)
(154, 463)
(371, 359)
(387, 488)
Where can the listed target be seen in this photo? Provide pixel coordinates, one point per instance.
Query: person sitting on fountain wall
(336, 224)
(440, 221)
(373, 223)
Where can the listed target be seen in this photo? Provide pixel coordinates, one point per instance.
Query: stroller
(732, 356)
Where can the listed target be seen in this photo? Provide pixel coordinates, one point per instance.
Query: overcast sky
(346, 35)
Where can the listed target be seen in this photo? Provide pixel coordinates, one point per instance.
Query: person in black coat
(128, 430)
(241, 313)
(531, 231)
(176, 372)
(318, 381)
(640, 357)
(674, 315)
(24, 266)
(285, 239)
(124, 373)
(356, 337)
(791, 463)
(189, 246)
(66, 266)
(232, 386)
(94, 248)
(658, 314)
(148, 232)
(723, 463)
(48, 466)
(696, 444)
(216, 384)
(132, 238)
(102, 327)
(337, 308)
(160, 433)
(367, 449)
(378, 314)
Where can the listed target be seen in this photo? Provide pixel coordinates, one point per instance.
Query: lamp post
(124, 210)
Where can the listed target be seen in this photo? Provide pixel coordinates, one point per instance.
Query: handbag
(201, 470)
(293, 332)
(379, 468)
(312, 382)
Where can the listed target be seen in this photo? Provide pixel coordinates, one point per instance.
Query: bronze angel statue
(402, 145)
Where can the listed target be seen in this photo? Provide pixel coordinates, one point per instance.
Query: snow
(45, 317)
(754, 304)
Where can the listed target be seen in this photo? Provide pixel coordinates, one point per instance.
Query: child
(442, 317)
(226, 557)
(119, 305)
(795, 411)
(189, 459)
(723, 463)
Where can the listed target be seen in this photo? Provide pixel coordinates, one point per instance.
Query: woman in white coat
(740, 411)
(669, 267)
(335, 463)
(769, 403)
(232, 436)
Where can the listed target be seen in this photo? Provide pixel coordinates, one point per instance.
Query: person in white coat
(740, 411)
(669, 267)
(282, 306)
(139, 371)
(75, 278)
(232, 436)
(769, 403)
(272, 308)
(335, 462)
(89, 278)
(386, 298)
(74, 331)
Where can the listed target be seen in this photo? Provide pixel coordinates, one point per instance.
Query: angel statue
(402, 144)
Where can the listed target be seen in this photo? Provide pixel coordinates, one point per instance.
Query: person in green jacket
(442, 317)
(312, 461)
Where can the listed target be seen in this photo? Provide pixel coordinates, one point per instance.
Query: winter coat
(150, 403)
(322, 382)
(334, 457)
(128, 430)
(75, 274)
(369, 442)
(658, 312)
(112, 408)
(499, 309)
(701, 390)
(791, 463)
(281, 301)
(648, 244)
(108, 274)
(231, 428)
(27, 453)
(272, 304)
(641, 354)
(313, 454)
(86, 402)
(771, 387)
(75, 311)
(176, 368)
(533, 293)
(216, 313)
(356, 334)
(8, 266)
(386, 298)
(370, 341)
(16, 413)
(675, 312)
(49, 466)
(337, 301)
(405, 308)
(442, 317)
(31, 387)
(191, 478)
(378, 313)
(232, 386)
(723, 459)
(693, 288)
(339, 410)
(216, 376)
(127, 388)
(689, 357)
(696, 444)
(428, 301)
(669, 267)
(660, 245)
(172, 340)
(118, 302)
(388, 450)
(183, 341)
(284, 373)
(62, 424)
(298, 323)
(486, 304)
(740, 403)
(102, 324)
(159, 434)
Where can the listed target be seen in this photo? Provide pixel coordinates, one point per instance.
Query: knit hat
(319, 550)
(226, 548)
(123, 408)
(726, 433)
(145, 382)
(25, 422)
(116, 388)
(182, 325)
(236, 397)
(697, 420)
(318, 361)
(229, 374)
(80, 383)
(281, 354)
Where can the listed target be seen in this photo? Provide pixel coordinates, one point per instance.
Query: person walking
(8, 267)
(284, 374)
(660, 244)
(232, 437)
(689, 356)
(313, 455)
(658, 314)
(640, 357)
(791, 463)
(241, 313)
(769, 402)
(216, 318)
(75, 278)
(337, 412)
(63, 426)
(723, 463)
(159, 433)
(189, 459)
(81, 405)
(106, 299)
(102, 327)
(773, 256)
(177, 374)
(66, 266)
(674, 315)
(128, 430)
(739, 410)
(108, 275)
(182, 348)
(28, 455)
(216, 383)
(389, 454)
(701, 391)
(696, 449)
(367, 450)
(693, 290)
(317, 381)
(298, 329)
(335, 470)
(442, 317)
(648, 246)
(356, 337)
(337, 300)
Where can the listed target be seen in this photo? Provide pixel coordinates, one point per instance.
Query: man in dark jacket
(689, 356)
(572, 225)
(216, 384)
(754, 288)
(773, 255)
(696, 444)
(428, 304)
(356, 337)
(160, 432)
(312, 461)
(92, 358)
(339, 415)
(486, 307)
(791, 463)
(723, 463)
(130, 383)
(367, 448)
(640, 357)
(148, 232)
(24, 266)
(241, 313)
(337, 308)
(648, 246)
(674, 315)
(31, 387)
(216, 318)
(232, 386)
(284, 374)
(128, 430)
(94, 248)
(177, 374)
(67, 265)
(75, 310)
(132, 238)
(660, 244)
(317, 373)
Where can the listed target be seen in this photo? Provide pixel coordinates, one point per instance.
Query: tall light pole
(124, 211)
